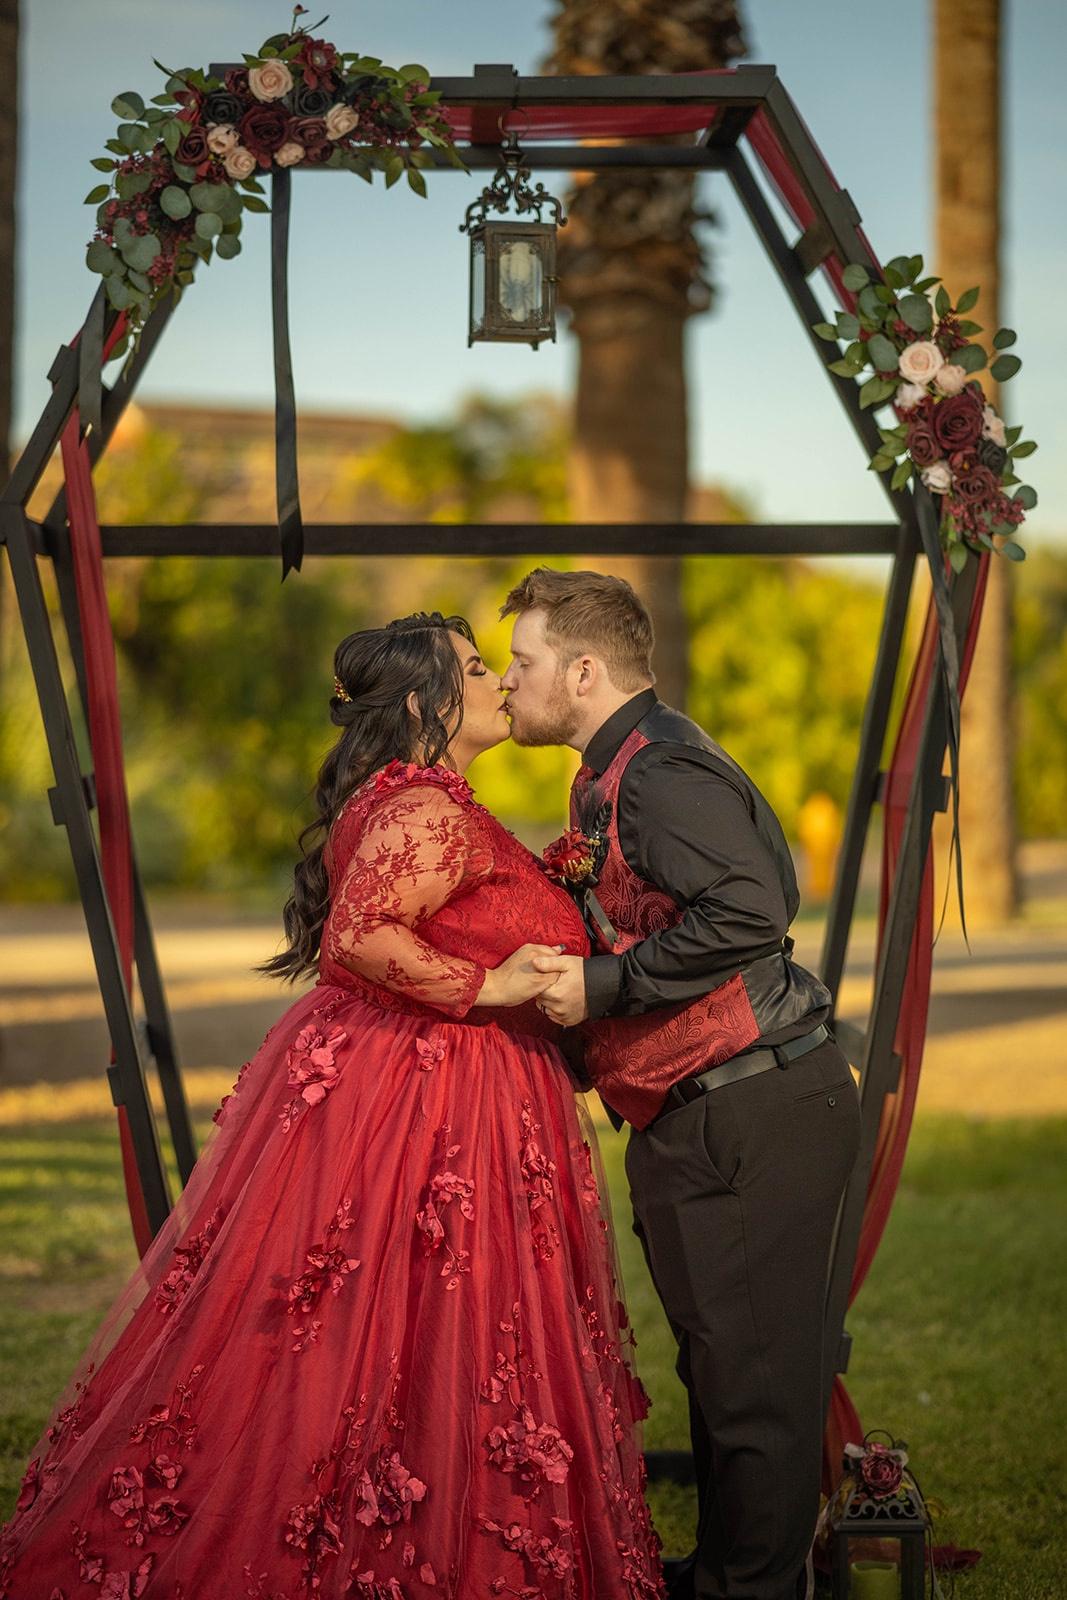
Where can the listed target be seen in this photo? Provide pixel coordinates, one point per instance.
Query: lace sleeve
(418, 848)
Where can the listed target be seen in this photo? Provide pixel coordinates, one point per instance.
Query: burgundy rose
(190, 101)
(974, 484)
(264, 129)
(311, 133)
(958, 422)
(237, 82)
(923, 446)
(193, 151)
(881, 1471)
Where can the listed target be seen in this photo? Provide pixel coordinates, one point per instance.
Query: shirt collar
(609, 738)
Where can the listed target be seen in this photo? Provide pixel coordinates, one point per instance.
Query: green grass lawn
(958, 1333)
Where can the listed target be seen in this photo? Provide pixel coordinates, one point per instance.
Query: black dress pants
(735, 1197)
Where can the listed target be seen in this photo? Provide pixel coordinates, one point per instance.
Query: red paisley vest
(634, 1060)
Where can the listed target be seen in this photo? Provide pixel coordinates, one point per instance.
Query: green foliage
(1041, 668)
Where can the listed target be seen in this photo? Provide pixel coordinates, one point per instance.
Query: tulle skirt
(378, 1350)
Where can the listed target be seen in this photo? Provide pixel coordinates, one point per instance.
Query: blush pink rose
(909, 395)
(938, 477)
(993, 426)
(290, 154)
(340, 119)
(950, 379)
(240, 163)
(920, 362)
(221, 138)
(270, 81)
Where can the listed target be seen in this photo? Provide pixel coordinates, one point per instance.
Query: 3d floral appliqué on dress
(378, 1350)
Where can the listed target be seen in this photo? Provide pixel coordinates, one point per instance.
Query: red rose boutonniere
(571, 859)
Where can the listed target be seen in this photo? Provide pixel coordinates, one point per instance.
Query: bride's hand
(516, 979)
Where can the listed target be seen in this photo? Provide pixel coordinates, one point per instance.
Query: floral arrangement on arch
(913, 348)
(184, 169)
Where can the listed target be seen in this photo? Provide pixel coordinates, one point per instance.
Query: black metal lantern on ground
(513, 263)
(877, 1499)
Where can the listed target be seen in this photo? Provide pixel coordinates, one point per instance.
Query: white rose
(909, 395)
(240, 163)
(289, 154)
(993, 426)
(951, 379)
(340, 119)
(270, 81)
(938, 478)
(221, 138)
(920, 362)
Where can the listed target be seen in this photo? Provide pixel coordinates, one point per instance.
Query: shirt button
(831, 1100)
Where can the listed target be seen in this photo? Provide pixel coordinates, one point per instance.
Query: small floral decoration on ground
(913, 348)
(183, 169)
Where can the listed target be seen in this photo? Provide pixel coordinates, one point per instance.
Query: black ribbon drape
(929, 532)
(290, 522)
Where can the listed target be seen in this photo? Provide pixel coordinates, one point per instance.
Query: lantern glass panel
(477, 284)
(521, 281)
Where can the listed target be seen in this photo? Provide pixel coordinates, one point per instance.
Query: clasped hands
(540, 972)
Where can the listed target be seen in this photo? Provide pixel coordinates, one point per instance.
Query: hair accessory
(340, 692)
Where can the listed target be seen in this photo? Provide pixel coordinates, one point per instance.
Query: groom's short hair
(594, 612)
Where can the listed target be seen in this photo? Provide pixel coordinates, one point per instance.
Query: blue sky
(378, 281)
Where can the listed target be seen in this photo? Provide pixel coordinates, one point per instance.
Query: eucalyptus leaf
(870, 305)
(1026, 496)
(100, 257)
(1001, 339)
(855, 276)
(175, 202)
(969, 329)
(172, 135)
(848, 326)
(916, 311)
(117, 292)
(140, 252)
(186, 173)
(967, 299)
(882, 352)
(129, 135)
(972, 358)
(129, 106)
(208, 225)
(1013, 551)
(915, 266)
(228, 246)
(1005, 367)
(209, 196)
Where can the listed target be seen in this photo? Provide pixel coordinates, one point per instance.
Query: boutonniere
(572, 858)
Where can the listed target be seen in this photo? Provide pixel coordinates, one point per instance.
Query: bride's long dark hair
(377, 668)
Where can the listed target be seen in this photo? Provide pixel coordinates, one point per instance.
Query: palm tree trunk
(629, 461)
(967, 75)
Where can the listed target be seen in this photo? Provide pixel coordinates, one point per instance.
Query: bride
(379, 1349)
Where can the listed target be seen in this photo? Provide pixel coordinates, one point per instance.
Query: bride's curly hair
(375, 671)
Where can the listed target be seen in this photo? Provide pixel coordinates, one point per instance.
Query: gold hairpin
(340, 692)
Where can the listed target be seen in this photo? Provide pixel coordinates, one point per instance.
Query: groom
(704, 1035)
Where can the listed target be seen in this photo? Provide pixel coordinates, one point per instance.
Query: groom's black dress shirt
(685, 828)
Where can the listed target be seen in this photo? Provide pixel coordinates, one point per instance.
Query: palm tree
(967, 112)
(632, 272)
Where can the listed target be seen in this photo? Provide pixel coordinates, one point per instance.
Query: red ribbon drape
(105, 739)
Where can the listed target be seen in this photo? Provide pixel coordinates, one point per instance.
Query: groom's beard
(554, 721)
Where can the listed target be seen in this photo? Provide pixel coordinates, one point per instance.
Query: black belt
(743, 1066)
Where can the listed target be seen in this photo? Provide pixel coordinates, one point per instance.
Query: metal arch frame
(490, 91)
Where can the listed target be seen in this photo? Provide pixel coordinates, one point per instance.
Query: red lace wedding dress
(378, 1350)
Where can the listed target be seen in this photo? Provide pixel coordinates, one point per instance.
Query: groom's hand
(564, 1002)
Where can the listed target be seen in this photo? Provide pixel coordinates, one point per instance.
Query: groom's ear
(587, 674)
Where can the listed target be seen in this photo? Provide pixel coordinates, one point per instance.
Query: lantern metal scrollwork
(513, 263)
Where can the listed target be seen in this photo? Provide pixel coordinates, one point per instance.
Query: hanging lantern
(513, 263)
(878, 1498)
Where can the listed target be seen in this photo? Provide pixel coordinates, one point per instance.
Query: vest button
(831, 1100)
